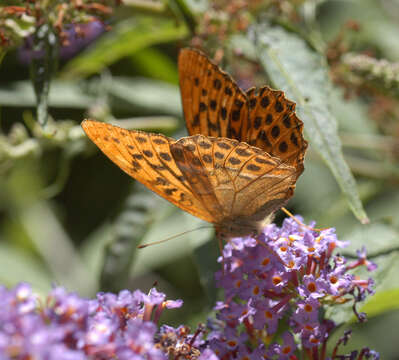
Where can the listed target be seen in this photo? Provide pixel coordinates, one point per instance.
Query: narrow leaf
(3, 53)
(125, 39)
(153, 63)
(63, 94)
(145, 95)
(21, 266)
(302, 73)
(382, 302)
(129, 228)
(205, 257)
(56, 248)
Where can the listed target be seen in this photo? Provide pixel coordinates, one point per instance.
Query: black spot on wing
(275, 131)
(283, 147)
(252, 103)
(287, 121)
(159, 141)
(235, 115)
(223, 113)
(217, 84)
(202, 107)
(141, 139)
(218, 155)
(234, 161)
(253, 167)
(278, 106)
(265, 101)
(242, 152)
(257, 122)
(165, 156)
(223, 145)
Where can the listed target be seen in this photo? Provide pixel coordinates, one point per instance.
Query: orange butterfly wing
(274, 126)
(219, 180)
(213, 104)
(266, 118)
(147, 158)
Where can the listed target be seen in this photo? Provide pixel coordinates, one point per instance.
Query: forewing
(213, 104)
(147, 158)
(196, 164)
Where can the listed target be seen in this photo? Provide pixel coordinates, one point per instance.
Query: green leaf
(386, 289)
(126, 38)
(382, 302)
(63, 94)
(129, 228)
(155, 64)
(19, 265)
(56, 248)
(378, 238)
(302, 73)
(165, 124)
(381, 241)
(92, 248)
(387, 285)
(386, 207)
(205, 257)
(150, 96)
(3, 53)
(194, 7)
(186, 230)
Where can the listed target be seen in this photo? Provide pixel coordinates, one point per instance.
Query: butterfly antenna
(171, 237)
(300, 222)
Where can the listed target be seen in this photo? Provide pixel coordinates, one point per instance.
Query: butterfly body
(241, 226)
(216, 174)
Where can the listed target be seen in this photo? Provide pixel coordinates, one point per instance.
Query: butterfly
(240, 163)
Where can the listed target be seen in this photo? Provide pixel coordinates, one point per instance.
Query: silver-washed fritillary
(216, 175)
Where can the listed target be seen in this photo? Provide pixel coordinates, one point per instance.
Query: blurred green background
(68, 216)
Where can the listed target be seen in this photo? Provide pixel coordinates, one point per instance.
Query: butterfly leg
(300, 222)
(221, 237)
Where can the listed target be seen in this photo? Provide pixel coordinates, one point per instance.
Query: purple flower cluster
(277, 287)
(68, 327)
(76, 38)
(65, 18)
(286, 275)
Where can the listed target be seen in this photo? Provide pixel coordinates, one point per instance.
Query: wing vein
(260, 176)
(206, 175)
(179, 183)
